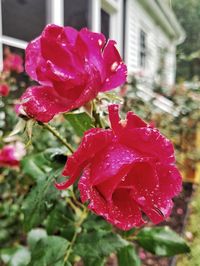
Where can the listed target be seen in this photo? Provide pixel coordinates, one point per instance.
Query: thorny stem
(69, 247)
(57, 135)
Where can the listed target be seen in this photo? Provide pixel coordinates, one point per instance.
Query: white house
(146, 31)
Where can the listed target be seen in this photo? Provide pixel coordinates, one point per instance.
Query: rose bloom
(4, 90)
(71, 67)
(10, 155)
(13, 62)
(125, 172)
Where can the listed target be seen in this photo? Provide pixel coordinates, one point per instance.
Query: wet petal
(86, 151)
(116, 70)
(121, 212)
(42, 103)
(114, 118)
(170, 180)
(110, 166)
(134, 121)
(149, 141)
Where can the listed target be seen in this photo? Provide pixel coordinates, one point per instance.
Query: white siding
(136, 19)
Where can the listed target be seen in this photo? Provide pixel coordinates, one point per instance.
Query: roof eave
(166, 18)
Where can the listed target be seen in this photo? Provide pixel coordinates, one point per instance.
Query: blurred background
(160, 42)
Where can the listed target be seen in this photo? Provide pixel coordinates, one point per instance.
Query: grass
(192, 233)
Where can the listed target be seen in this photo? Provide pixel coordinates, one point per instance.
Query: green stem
(96, 116)
(57, 135)
(70, 246)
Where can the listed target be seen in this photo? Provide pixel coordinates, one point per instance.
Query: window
(105, 23)
(23, 19)
(76, 13)
(143, 48)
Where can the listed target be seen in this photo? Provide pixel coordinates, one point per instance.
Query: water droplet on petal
(114, 66)
(100, 42)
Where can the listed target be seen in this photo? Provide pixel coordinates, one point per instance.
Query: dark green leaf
(61, 219)
(34, 166)
(128, 256)
(80, 122)
(97, 245)
(39, 202)
(162, 241)
(94, 222)
(49, 251)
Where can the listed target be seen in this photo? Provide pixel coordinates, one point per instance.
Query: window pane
(142, 48)
(76, 13)
(23, 19)
(105, 23)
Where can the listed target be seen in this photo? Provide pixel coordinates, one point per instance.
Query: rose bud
(10, 155)
(4, 90)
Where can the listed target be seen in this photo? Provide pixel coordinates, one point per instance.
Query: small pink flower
(13, 62)
(125, 171)
(10, 155)
(72, 67)
(4, 90)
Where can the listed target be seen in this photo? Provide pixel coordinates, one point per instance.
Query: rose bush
(11, 155)
(12, 62)
(4, 89)
(72, 68)
(127, 170)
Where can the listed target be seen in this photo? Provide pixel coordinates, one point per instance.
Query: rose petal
(86, 151)
(116, 70)
(170, 180)
(122, 212)
(42, 103)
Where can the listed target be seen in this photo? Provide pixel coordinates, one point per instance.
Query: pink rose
(10, 155)
(13, 62)
(125, 171)
(4, 90)
(71, 67)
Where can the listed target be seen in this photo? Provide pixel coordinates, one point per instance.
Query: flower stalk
(78, 230)
(57, 135)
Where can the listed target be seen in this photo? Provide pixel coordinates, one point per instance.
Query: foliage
(188, 14)
(41, 226)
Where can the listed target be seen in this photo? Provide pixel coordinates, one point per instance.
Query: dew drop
(114, 66)
(100, 42)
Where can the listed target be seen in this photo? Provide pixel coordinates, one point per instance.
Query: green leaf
(61, 219)
(34, 166)
(128, 256)
(49, 251)
(34, 236)
(39, 202)
(15, 256)
(162, 241)
(94, 222)
(94, 246)
(80, 122)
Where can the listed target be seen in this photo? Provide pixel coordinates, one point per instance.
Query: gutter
(165, 18)
(171, 17)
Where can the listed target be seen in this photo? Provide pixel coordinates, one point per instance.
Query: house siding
(136, 19)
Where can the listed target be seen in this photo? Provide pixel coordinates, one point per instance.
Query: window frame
(115, 10)
(55, 14)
